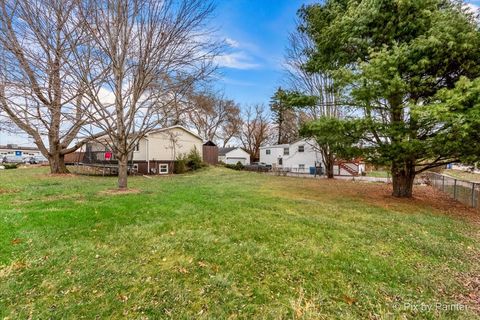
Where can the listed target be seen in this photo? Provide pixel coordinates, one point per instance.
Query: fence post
(473, 194)
(455, 189)
(443, 183)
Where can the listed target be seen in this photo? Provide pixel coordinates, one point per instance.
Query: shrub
(238, 166)
(194, 160)
(180, 165)
(10, 165)
(188, 162)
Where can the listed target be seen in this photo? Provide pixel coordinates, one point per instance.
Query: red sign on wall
(108, 155)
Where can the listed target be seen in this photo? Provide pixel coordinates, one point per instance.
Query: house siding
(234, 156)
(310, 157)
(168, 145)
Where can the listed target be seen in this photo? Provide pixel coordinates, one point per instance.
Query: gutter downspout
(148, 158)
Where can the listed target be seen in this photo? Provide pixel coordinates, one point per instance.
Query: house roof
(224, 151)
(210, 144)
(16, 147)
(105, 137)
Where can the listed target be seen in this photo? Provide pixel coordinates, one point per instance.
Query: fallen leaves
(123, 298)
(349, 300)
(17, 241)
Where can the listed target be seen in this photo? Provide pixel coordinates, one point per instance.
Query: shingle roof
(15, 147)
(224, 151)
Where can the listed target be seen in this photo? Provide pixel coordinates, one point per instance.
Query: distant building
(303, 156)
(233, 155)
(18, 153)
(298, 156)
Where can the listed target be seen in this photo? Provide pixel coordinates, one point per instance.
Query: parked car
(261, 164)
(30, 160)
(258, 166)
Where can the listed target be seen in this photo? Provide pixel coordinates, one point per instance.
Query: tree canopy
(405, 65)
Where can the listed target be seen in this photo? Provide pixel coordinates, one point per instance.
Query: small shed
(210, 153)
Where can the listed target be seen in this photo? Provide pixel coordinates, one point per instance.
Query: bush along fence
(466, 192)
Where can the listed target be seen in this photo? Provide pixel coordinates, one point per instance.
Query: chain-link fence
(466, 192)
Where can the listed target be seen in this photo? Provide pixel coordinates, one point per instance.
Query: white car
(12, 159)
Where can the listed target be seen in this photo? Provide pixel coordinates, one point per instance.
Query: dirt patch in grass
(114, 192)
(7, 191)
(378, 194)
(61, 175)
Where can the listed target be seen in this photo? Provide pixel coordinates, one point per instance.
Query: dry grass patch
(115, 192)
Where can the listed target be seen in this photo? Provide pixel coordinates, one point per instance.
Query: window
(163, 168)
(301, 167)
(267, 151)
(280, 161)
(301, 148)
(137, 147)
(286, 151)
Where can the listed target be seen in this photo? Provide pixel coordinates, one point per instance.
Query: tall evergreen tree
(284, 117)
(399, 63)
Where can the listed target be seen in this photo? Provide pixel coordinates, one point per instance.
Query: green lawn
(379, 174)
(462, 175)
(224, 244)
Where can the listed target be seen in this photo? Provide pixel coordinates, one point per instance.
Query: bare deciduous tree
(318, 85)
(143, 53)
(39, 90)
(214, 117)
(255, 131)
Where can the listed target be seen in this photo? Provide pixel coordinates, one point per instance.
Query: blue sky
(257, 33)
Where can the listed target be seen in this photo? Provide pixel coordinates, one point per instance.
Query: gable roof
(224, 151)
(210, 143)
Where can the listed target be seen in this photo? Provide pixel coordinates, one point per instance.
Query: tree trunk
(328, 161)
(403, 176)
(57, 163)
(122, 171)
(329, 169)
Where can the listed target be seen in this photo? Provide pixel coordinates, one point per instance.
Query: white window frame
(301, 167)
(268, 152)
(162, 165)
(303, 148)
(137, 147)
(287, 153)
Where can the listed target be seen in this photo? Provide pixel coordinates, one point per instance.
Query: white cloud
(232, 43)
(236, 60)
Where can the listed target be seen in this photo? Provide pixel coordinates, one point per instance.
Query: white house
(156, 153)
(16, 153)
(233, 156)
(303, 156)
(298, 156)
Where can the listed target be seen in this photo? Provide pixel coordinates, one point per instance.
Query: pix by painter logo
(428, 307)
